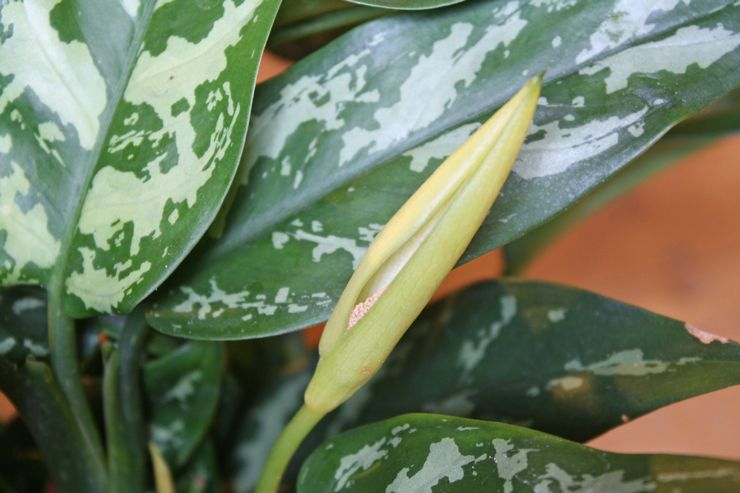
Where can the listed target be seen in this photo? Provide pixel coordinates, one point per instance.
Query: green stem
(63, 349)
(125, 450)
(287, 443)
(130, 347)
(118, 460)
(36, 395)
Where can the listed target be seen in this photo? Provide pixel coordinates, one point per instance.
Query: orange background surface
(672, 245)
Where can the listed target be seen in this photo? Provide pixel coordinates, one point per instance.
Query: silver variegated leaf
(426, 453)
(121, 127)
(548, 357)
(340, 140)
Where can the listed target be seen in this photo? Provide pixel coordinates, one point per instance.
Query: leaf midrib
(59, 274)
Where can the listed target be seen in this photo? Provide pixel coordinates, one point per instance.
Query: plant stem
(36, 394)
(130, 347)
(287, 443)
(63, 348)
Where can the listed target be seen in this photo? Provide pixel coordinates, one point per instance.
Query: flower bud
(413, 253)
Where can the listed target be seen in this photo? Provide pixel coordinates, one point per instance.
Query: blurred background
(672, 246)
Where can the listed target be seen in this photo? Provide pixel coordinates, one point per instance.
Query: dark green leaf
(261, 427)
(121, 127)
(407, 4)
(425, 453)
(182, 389)
(293, 11)
(341, 139)
(23, 330)
(668, 151)
(305, 35)
(556, 359)
(719, 119)
(40, 402)
(200, 474)
(123, 410)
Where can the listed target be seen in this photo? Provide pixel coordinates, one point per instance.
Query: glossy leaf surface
(720, 119)
(665, 153)
(407, 4)
(341, 140)
(425, 453)
(200, 474)
(558, 359)
(121, 127)
(552, 358)
(182, 390)
(38, 399)
(23, 330)
(303, 27)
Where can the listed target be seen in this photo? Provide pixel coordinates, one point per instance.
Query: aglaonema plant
(163, 221)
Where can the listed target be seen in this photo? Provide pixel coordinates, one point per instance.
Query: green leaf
(665, 153)
(303, 26)
(423, 452)
(548, 357)
(123, 410)
(554, 358)
(182, 390)
(344, 137)
(260, 427)
(200, 474)
(304, 29)
(719, 119)
(292, 11)
(407, 4)
(23, 329)
(36, 395)
(119, 139)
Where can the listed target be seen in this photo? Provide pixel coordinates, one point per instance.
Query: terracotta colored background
(672, 245)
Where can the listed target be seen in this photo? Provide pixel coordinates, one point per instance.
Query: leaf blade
(308, 239)
(418, 452)
(118, 142)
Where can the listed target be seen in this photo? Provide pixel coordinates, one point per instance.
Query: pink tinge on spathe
(704, 336)
(361, 309)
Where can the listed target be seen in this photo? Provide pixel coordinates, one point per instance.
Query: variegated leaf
(426, 452)
(260, 427)
(38, 399)
(23, 330)
(340, 141)
(182, 389)
(303, 26)
(407, 4)
(668, 151)
(200, 474)
(121, 126)
(719, 119)
(556, 359)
